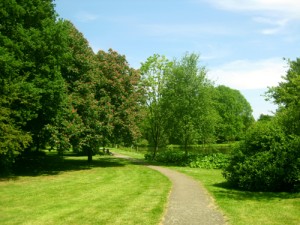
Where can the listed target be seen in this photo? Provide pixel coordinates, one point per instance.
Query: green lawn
(110, 191)
(246, 208)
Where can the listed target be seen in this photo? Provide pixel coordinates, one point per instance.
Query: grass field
(109, 191)
(246, 208)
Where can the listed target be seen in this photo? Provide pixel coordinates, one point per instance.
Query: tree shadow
(54, 165)
(226, 190)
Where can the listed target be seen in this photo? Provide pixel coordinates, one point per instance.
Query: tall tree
(31, 85)
(235, 114)
(188, 102)
(119, 95)
(81, 120)
(154, 71)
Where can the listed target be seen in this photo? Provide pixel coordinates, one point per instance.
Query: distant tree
(235, 113)
(188, 102)
(154, 72)
(264, 117)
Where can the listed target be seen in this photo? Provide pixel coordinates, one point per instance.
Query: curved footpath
(189, 203)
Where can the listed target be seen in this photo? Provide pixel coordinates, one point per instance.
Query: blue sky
(242, 43)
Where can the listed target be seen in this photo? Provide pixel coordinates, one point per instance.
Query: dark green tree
(31, 85)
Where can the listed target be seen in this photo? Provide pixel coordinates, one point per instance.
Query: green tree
(235, 113)
(154, 71)
(80, 123)
(31, 85)
(119, 96)
(188, 102)
(287, 96)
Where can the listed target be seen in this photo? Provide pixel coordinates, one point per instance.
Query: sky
(242, 43)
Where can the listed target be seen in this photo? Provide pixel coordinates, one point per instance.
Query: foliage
(267, 160)
(154, 72)
(287, 96)
(235, 114)
(196, 160)
(188, 103)
(31, 86)
(119, 97)
(211, 161)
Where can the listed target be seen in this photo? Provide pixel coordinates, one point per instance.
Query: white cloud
(86, 17)
(290, 7)
(274, 25)
(248, 75)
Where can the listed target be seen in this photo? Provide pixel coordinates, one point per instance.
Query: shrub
(267, 160)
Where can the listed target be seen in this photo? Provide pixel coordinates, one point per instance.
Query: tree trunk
(90, 155)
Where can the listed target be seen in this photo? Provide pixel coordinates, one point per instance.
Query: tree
(31, 85)
(235, 114)
(287, 96)
(80, 122)
(119, 96)
(154, 71)
(188, 102)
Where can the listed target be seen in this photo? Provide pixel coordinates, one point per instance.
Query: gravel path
(189, 203)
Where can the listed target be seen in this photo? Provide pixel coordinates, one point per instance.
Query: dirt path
(189, 203)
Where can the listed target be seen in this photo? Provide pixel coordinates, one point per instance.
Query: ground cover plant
(108, 191)
(194, 160)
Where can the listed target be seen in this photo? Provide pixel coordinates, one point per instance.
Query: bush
(173, 157)
(267, 160)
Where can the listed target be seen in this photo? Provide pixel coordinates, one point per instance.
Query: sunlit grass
(110, 191)
(248, 208)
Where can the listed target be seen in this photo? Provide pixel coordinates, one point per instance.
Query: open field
(109, 191)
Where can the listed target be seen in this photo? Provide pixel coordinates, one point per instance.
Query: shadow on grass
(54, 164)
(225, 190)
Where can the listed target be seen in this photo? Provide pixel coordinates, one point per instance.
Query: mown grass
(247, 208)
(108, 191)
